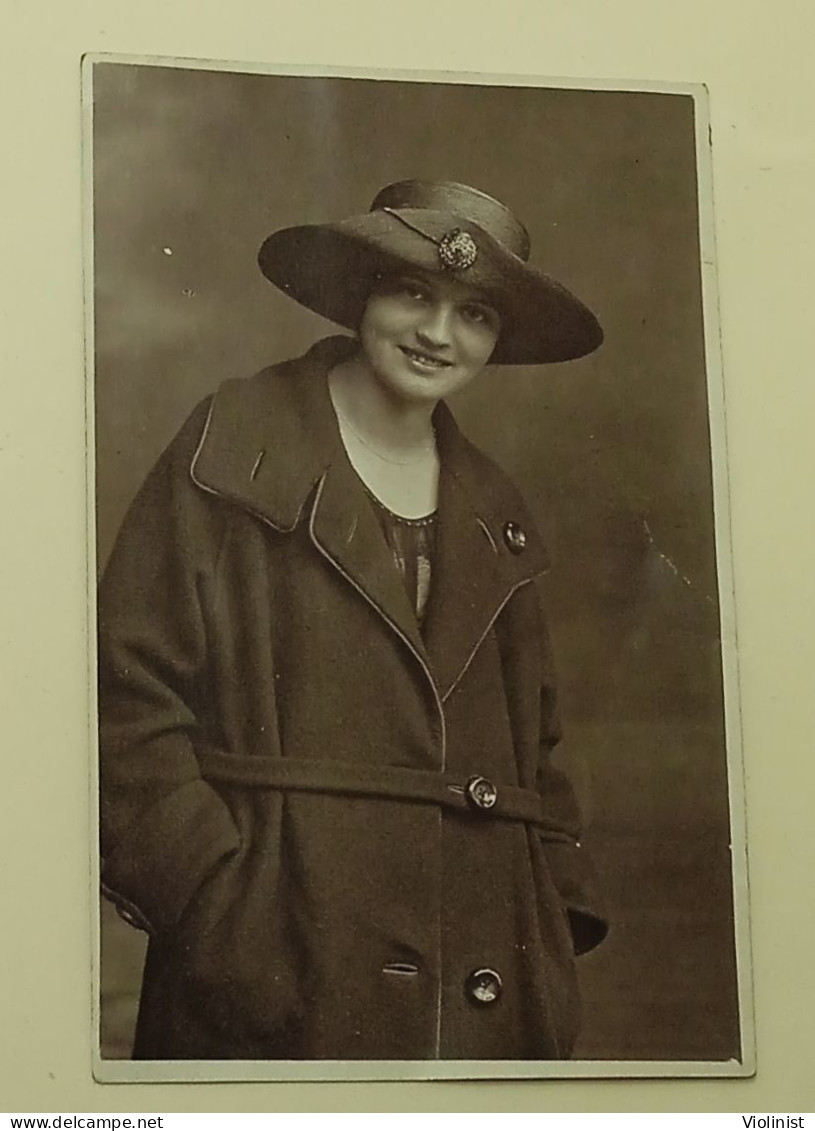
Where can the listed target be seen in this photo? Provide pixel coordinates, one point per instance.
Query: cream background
(755, 59)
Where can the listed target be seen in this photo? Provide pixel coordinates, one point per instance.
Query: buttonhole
(404, 968)
(486, 531)
(257, 463)
(456, 788)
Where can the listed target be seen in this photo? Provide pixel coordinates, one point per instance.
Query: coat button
(481, 793)
(514, 537)
(484, 986)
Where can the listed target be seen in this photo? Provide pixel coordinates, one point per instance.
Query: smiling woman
(327, 700)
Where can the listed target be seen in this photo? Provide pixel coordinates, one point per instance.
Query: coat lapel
(269, 440)
(271, 445)
(345, 530)
(475, 572)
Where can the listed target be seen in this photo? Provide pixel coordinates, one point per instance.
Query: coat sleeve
(571, 866)
(163, 828)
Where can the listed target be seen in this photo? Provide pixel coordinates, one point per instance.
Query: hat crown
(467, 203)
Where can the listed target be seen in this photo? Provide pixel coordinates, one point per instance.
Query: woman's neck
(391, 445)
(394, 428)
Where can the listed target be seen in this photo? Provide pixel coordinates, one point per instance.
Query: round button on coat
(484, 986)
(481, 793)
(514, 537)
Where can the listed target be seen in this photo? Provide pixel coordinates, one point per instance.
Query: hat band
(459, 200)
(457, 249)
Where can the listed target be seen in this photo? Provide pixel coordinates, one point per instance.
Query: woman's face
(424, 337)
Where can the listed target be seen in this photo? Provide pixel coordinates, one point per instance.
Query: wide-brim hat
(442, 228)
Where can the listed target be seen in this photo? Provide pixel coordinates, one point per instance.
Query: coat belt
(395, 783)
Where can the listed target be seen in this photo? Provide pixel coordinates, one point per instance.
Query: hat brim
(333, 268)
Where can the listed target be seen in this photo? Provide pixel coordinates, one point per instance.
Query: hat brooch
(457, 250)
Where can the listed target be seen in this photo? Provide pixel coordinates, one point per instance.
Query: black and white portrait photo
(418, 749)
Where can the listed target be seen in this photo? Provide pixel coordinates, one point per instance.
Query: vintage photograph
(418, 741)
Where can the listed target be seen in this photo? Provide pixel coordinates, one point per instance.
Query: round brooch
(457, 250)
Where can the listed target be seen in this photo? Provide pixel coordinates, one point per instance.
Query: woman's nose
(436, 325)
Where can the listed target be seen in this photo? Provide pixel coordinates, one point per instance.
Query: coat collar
(271, 445)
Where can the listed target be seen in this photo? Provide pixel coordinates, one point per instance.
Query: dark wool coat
(285, 758)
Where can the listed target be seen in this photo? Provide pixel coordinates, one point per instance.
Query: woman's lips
(425, 360)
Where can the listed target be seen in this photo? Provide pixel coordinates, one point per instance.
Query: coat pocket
(574, 877)
(235, 965)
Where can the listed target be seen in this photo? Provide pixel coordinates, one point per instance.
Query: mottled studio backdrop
(193, 168)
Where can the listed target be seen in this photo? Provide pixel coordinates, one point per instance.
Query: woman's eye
(413, 290)
(480, 315)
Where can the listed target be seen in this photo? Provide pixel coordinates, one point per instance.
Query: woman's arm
(572, 869)
(163, 829)
(529, 670)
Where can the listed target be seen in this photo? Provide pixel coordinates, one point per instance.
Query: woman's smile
(425, 362)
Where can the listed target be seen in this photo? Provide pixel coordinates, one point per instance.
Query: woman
(326, 694)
